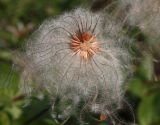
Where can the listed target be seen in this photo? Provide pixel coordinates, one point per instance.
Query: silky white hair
(145, 14)
(57, 70)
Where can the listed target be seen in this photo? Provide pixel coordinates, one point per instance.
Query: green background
(19, 18)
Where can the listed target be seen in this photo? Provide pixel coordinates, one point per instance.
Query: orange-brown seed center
(85, 45)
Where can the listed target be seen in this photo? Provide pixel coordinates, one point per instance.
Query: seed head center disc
(85, 45)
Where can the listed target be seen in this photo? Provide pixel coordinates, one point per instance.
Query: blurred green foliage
(18, 18)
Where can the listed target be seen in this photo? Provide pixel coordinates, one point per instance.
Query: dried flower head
(79, 56)
(143, 13)
(85, 45)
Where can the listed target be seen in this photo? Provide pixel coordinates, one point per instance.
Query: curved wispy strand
(79, 56)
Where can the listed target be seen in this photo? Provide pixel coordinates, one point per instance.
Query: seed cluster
(85, 45)
(77, 57)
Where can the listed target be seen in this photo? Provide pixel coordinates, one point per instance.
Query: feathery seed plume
(143, 13)
(79, 56)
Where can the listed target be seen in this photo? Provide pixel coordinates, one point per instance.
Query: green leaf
(145, 111)
(4, 119)
(149, 110)
(146, 69)
(137, 87)
(14, 111)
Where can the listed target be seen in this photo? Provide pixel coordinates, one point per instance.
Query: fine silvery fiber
(144, 14)
(78, 56)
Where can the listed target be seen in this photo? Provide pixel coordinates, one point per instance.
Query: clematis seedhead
(79, 57)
